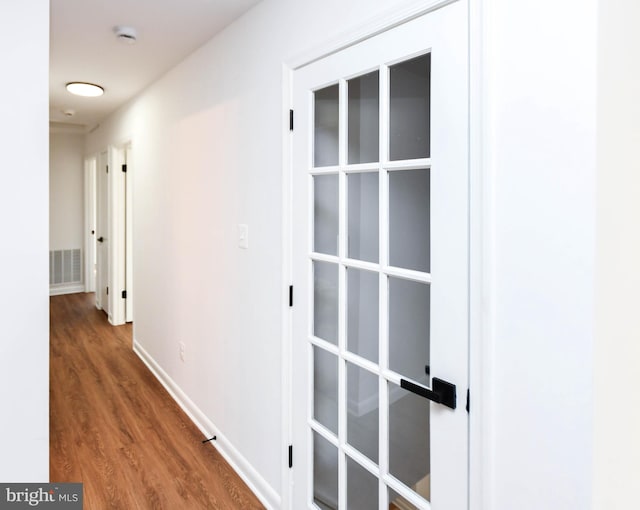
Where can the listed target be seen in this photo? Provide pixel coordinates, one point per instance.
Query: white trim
(263, 491)
(73, 288)
(66, 128)
(481, 262)
(128, 261)
(287, 280)
(370, 28)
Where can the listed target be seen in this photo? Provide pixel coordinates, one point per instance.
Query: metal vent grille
(65, 266)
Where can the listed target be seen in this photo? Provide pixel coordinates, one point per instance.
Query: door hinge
(124, 168)
(290, 455)
(107, 291)
(290, 295)
(290, 120)
(468, 400)
(124, 294)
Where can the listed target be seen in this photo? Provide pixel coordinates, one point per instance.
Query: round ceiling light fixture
(127, 35)
(80, 88)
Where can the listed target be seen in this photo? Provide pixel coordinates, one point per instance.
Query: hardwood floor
(114, 427)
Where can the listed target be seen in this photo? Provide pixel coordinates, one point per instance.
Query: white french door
(380, 267)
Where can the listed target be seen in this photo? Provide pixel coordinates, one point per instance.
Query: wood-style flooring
(114, 428)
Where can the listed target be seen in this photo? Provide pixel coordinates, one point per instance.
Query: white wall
(541, 70)
(24, 196)
(66, 191)
(616, 468)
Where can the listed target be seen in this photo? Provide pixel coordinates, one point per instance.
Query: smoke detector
(127, 35)
(69, 112)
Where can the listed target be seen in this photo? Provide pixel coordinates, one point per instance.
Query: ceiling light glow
(85, 89)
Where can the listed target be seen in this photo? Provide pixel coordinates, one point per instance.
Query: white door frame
(128, 189)
(481, 270)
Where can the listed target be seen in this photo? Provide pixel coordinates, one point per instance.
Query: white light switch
(243, 236)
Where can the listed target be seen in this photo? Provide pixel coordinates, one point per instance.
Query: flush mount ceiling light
(127, 35)
(85, 89)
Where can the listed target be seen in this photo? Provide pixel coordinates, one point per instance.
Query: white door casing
(128, 191)
(442, 36)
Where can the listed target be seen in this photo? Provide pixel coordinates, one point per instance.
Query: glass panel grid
(344, 167)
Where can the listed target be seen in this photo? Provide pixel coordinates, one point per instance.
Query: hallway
(115, 428)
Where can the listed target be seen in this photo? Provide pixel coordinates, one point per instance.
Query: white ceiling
(85, 48)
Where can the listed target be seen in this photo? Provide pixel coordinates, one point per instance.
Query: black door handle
(101, 239)
(442, 392)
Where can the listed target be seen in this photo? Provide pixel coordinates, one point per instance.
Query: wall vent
(65, 266)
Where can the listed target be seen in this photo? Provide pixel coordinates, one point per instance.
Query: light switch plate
(243, 236)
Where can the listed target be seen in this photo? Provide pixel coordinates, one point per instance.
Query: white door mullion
(384, 114)
(343, 248)
(383, 289)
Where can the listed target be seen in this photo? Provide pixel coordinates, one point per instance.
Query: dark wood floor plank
(115, 428)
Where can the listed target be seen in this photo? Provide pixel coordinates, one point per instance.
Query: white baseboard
(265, 493)
(72, 288)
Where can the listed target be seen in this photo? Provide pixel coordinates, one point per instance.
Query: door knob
(442, 392)
(101, 239)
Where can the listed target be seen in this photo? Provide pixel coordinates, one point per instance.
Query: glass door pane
(362, 411)
(362, 313)
(410, 109)
(409, 305)
(325, 473)
(326, 127)
(325, 214)
(409, 219)
(409, 449)
(325, 389)
(363, 216)
(364, 118)
(362, 487)
(325, 301)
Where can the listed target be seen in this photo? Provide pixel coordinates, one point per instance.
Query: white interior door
(380, 266)
(90, 226)
(102, 234)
